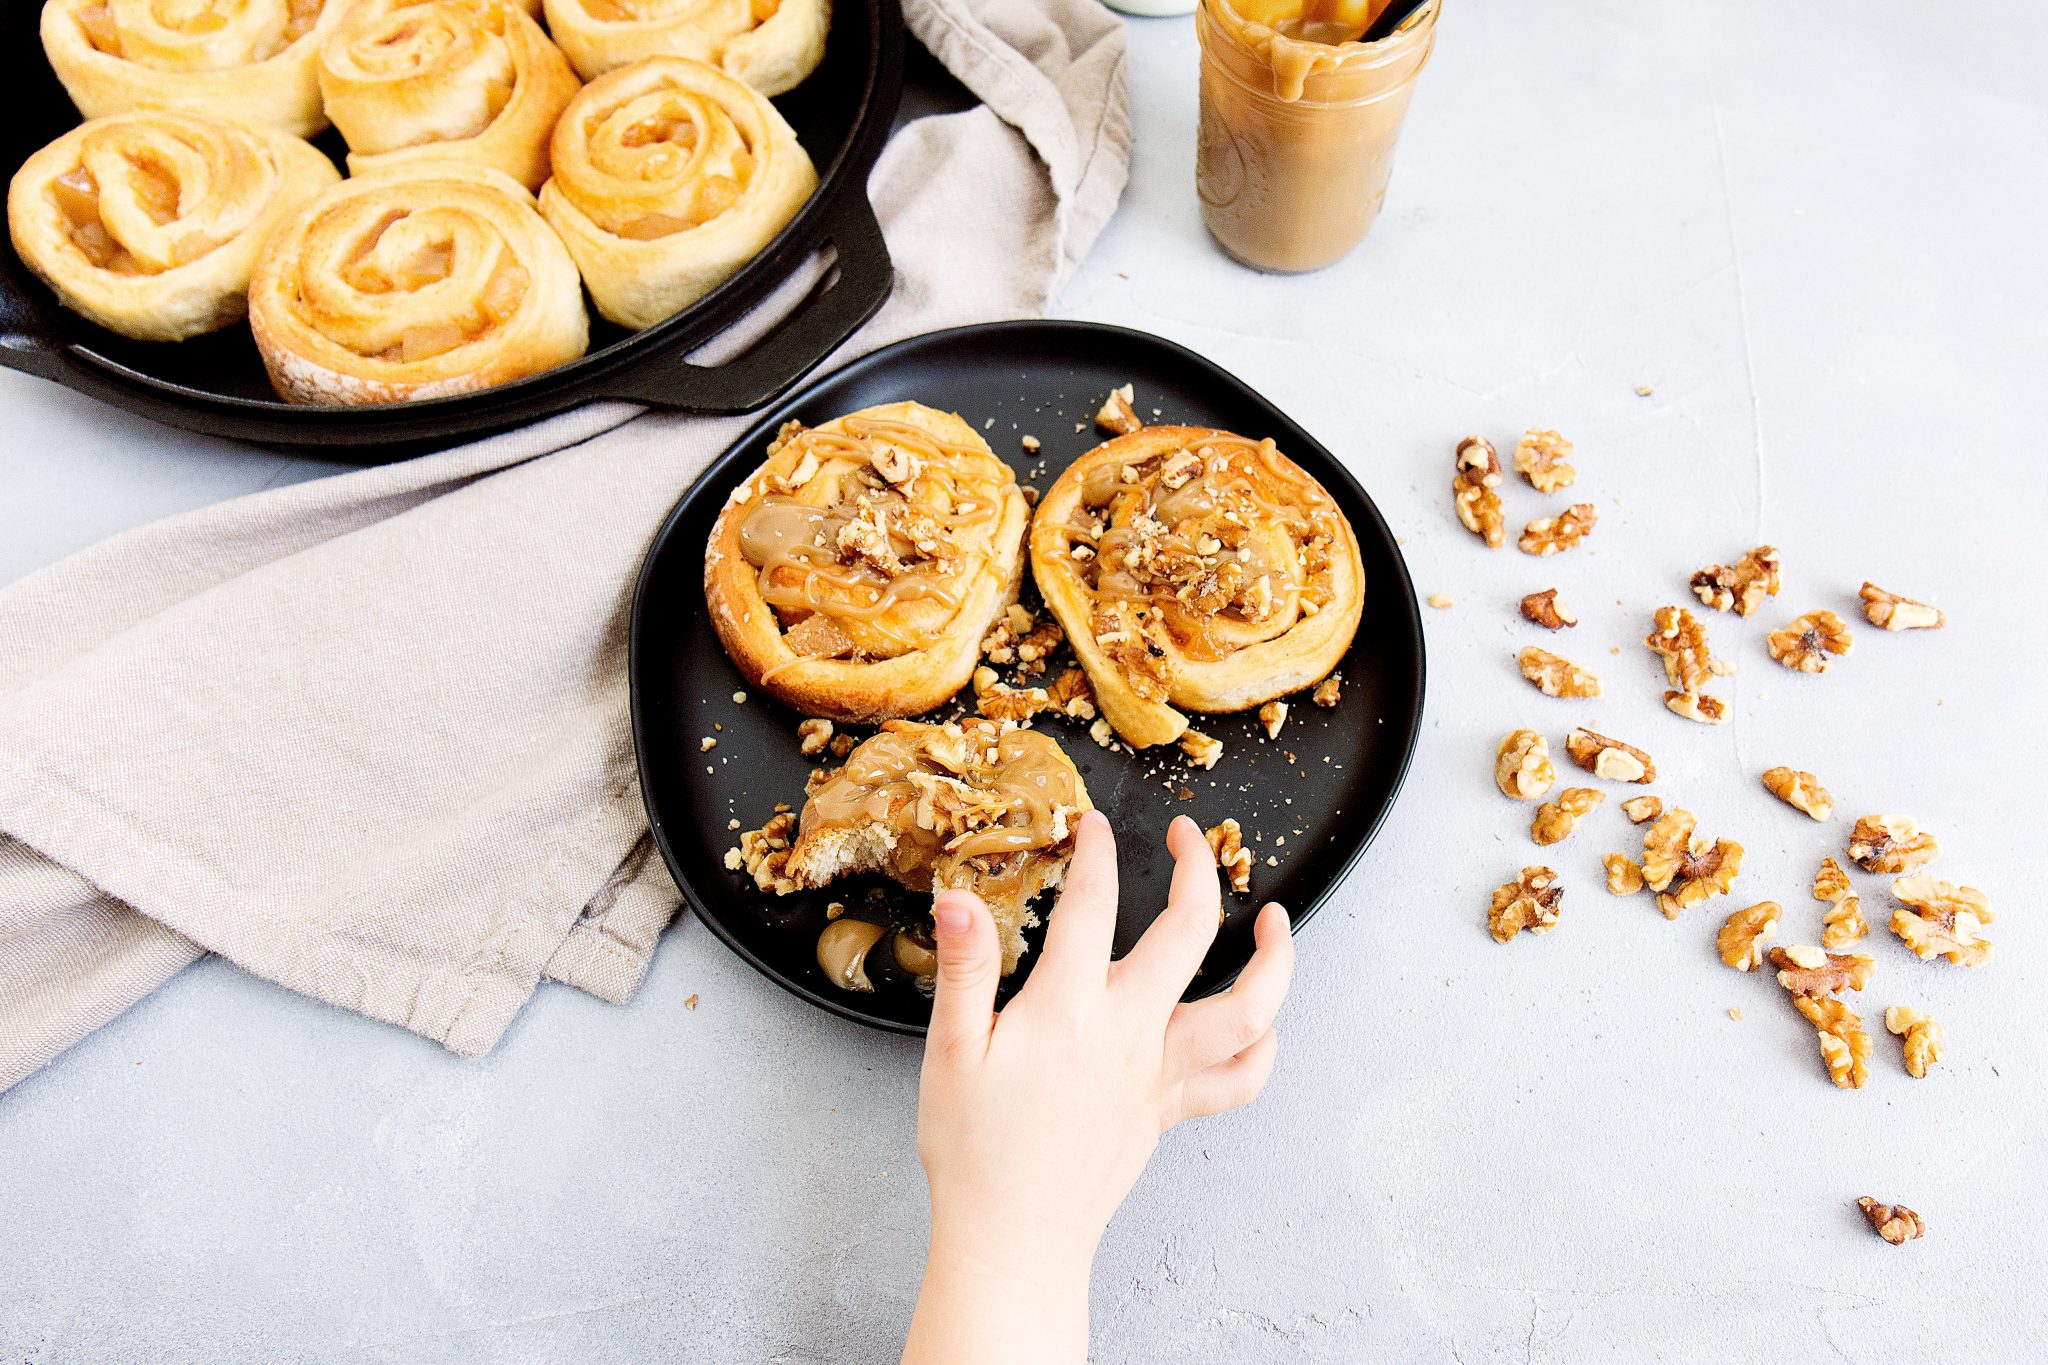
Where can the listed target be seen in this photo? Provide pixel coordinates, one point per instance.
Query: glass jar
(1297, 136)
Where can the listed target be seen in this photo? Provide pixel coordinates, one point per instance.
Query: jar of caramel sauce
(1298, 123)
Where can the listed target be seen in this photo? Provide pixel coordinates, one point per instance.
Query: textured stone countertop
(1814, 233)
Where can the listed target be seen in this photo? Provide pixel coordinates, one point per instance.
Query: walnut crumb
(1641, 808)
(842, 745)
(1744, 933)
(1475, 491)
(1522, 768)
(1202, 750)
(1920, 1034)
(706, 744)
(1548, 610)
(1806, 645)
(1741, 586)
(690, 1002)
(1696, 706)
(1895, 1223)
(1442, 601)
(1226, 841)
(1555, 820)
(1609, 759)
(1116, 414)
(1103, 733)
(1624, 874)
(1682, 866)
(1800, 790)
(1804, 969)
(812, 736)
(764, 853)
(1329, 691)
(1272, 716)
(1030, 444)
(1941, 919)
(1556, 676)
(1540, 458)
(1889, 611)
(1891, 844)
(1555, 535)
(1530, 902)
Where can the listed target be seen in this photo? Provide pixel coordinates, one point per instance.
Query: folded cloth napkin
(367, 736)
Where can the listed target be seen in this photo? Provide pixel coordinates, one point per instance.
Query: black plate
(1012, 379)
(216, 384)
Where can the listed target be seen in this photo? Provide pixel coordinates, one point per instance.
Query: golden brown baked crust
(1194, 568)
(770, 48)
(459, 80)
(429, 279)
(855, 572)
(150, 222)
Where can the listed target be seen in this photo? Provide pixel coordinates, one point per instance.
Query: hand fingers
(1083, 925)
(1167, 957)
(970, 965)
(1228, 1085)
(1205, 1032)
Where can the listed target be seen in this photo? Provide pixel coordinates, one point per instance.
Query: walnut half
(1939, 919)
(1548, 610)
(1226, 841)
(1806, 970)
(1920, 1034)
(1522, 769)
(1889, 611)
(1800, 790)
(1806, 644)
(1891, 844)
(1557, 676)
(1741, 586)
(1475, 490)
(1555, 535)
(1609, 758)
(1682, 866)
(1641, 808)
(1531, 902)
(1844, 1046)
(1555, 820)
(1895, 1223)
(1677, 637)
(1624, 874)
(1742, 936)
(1540, 458)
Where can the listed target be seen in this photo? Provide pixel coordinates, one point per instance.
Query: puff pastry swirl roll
(251, 61)
(1194, 569)
(770, 44)
(149, 223)
(464, 80)
(855, 572)
(427, 280)
(668, 177)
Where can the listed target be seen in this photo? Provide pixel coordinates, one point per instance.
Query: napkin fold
(367, 737)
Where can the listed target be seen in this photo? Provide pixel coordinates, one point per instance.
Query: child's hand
(1033, 1124)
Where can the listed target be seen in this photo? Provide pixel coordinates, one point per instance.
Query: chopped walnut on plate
(1804, 969)
(1940, 919)
(1609, 759)
(764, 854)
(1624, 874)
(1329, 691)
(1683, 866)
(1202, 750)
(1741, 586)
(1800, 790)
(1540, 458)
(1555, 820)
(1548, 610)
(1891, 844)
(1920, 1034)
(1889, 611)
(1744, 933)
(1116, 413)
(812, 735)
(1475, 489)
(1532, 901)
(1071, 695)
(998, 700)
(1556, 676)
(1555, 535)
(1272, 716)
(1641, 808)
(1844, 1046)
(1522, 768)
(1895, 1223)
(1806, 645)
(1226, 841)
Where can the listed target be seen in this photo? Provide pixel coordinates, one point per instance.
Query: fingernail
(952, 913)
(1096, 817)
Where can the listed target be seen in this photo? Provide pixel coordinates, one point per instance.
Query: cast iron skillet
(1324, 785)
(216, 383)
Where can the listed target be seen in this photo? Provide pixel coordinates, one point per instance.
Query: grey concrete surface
(1814, 232)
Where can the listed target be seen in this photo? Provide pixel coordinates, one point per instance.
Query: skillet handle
(810, 333)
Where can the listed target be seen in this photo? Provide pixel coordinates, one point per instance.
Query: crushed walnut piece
(1029, 442)
(999, 645)
(1889, 611)
(1800, 790)
(1476, 491)
(1556, 676)
(1682, 866)
(1741, 586)
(1530, 902)
(1548, 610)
(1624, 874)
(1609, 759)
(1555, 820)
(1804, 969)
(1102, 732)
(1941, 919)
(1641, 808)
(1329, 691)
(1226, 841)
(1895, 1223)
(1892, 844)
(764, 854)
(812, 735)
(1677, 637)
(1540, 458)
(1743, 934)
(1522, 768)
(1116, 413)
(842, 745)
(1844, 1046)
(1831, 883)
(1071, 695)
(1920, 1034)
(1697, 706)
(1806, 644)
(1843, 925)
(1555, 535)
(997, 700)
(1038, 644)
(1272, 716)
(1202, 750)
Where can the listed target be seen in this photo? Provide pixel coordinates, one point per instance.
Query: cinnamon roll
(464, 80)
(149, 223)
(251, 61)
(854, 573)
(668, 177)
(1197, 570)
(427, 280)
(972, 805)
(770, 44)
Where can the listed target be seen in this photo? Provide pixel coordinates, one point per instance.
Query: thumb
(970, 965)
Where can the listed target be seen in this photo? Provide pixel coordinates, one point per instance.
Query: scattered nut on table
(1804, 969)
(1555, 535)
(1889, 611)
(1741, 586)
(1810, 641)
(1844, 1046)
(1548, 610)
(1921, 1036)
(1556, 676)
(1555, 820)
(1891, 843)
(1624, 874)
(1641, 808)
(1683, 866)
(1609, 759)
(1800, 790)
(1939, 919)
(1532, 901)
(1744, 933)
(1475, 489)
(1522, 768)
(1895, 1223)
(1540, 458)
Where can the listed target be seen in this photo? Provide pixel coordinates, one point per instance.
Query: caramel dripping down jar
(1297, 135)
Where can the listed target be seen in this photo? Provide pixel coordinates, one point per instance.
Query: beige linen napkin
(367, 736)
